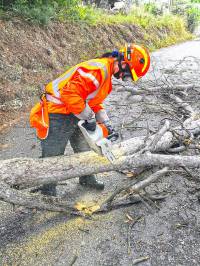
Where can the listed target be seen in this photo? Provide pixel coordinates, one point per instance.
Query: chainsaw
(99, 140)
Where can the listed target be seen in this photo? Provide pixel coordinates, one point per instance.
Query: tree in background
(40, 11)
(187, 9)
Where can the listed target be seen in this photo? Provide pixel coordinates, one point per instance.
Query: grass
(172, 27)
(158, 31)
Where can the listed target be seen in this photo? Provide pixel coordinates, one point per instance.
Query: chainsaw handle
(90, 125)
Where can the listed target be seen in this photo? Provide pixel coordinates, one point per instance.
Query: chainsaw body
(98, 141)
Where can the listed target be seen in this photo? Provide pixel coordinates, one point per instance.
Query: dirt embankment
(32, 55)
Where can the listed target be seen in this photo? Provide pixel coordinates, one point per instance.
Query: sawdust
(86, 207)
(38, 245)
(37, 250)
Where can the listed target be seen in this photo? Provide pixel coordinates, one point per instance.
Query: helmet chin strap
(126, 71)
(117, 75)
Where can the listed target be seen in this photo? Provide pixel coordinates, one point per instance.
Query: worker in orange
(78, 94)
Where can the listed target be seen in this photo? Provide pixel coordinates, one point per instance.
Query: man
(78, 94)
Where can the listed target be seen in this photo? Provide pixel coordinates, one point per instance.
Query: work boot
(47, 190)
(91, 182)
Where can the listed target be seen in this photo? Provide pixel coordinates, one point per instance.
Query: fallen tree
(161, 149)
(24, 173)
(32, 172)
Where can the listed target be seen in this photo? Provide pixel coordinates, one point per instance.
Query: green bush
(35, 12)
(193, 18)
(41, 11)
(85, 14)
(189, 11)
(153, 9)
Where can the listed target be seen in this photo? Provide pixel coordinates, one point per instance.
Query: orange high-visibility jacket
(80, 90)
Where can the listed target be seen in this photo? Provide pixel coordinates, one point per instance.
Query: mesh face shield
(127, 73)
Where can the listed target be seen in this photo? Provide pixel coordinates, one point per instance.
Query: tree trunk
(33, 172)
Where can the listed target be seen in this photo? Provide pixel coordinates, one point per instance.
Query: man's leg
(60, 130)
(79, 144)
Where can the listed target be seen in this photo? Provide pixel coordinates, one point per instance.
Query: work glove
(112, 134)
(90, 124)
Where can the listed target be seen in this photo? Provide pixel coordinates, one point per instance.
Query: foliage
(153, 9)
(180, 7)
(40, 11)
(193, 17)
(189, 11)
(148, 17)
(40, 14)
(84, 14)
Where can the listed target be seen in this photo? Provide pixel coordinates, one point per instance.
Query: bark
(136, 187)
(31, 201)
(161, 89)
(28, 200)
(188, 108)
(33, 172)
(27, 172)
(151, 146)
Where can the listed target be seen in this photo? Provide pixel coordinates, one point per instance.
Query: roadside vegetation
(184, 16)
(43, 11)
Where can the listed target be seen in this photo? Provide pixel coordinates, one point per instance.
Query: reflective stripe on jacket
(81, 89)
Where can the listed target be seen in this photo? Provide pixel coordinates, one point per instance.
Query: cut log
(27, 172)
